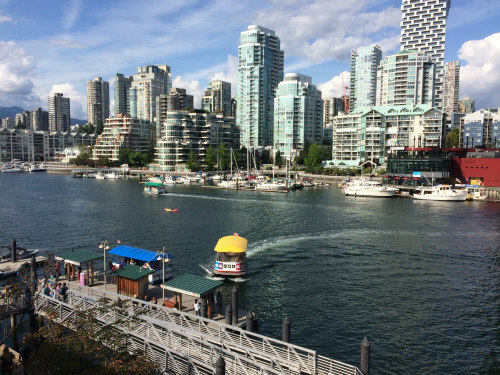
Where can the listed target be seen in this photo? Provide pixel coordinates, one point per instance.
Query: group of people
(55, 290)
(218, 304)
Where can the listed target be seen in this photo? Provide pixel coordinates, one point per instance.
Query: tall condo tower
(59, 113)
(364, 63)
(97, 101)
(150, 82)
(260, 69)
(451, 87)
(423, 28)
(122, 87)
(217, 97)
(298, 115)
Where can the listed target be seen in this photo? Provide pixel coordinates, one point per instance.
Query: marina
(340, 268)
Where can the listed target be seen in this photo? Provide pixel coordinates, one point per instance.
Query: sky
(56, 46)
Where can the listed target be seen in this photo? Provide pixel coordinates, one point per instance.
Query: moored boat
(231, 256)
(368, 188)
(440, 193)
(21, 253)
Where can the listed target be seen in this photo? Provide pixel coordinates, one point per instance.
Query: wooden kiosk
(132, 281)
(191, 285)
(74, 259)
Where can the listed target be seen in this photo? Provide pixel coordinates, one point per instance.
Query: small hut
(132, 280)
(74, 259)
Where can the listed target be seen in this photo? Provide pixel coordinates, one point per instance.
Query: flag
(118, 241)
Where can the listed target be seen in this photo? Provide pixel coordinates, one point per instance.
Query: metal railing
(184, 339)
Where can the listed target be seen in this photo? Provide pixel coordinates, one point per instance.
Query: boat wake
(206, 269)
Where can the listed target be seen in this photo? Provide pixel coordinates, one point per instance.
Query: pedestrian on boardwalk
(7, 361)
(63, 292)
(46, 290)
(220, 303)
(196, 307)
(57, 270)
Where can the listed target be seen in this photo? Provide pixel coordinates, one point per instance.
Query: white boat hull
(457, 198)
(370, 193)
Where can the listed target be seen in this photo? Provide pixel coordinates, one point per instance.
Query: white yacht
(368, 188)
(270, 185)
(113, 176)
(36, 168)
(440, 193)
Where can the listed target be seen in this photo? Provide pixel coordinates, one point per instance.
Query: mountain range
(13, 111)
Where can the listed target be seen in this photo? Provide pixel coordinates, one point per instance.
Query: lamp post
(162, 259)
(104, 245)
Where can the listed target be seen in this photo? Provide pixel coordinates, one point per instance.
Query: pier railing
(187, 340)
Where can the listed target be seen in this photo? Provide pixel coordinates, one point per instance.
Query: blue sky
(49, 46)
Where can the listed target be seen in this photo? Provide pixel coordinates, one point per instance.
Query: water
(419, 279)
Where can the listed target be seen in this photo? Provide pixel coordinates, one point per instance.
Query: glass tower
(260, 69)
(298, 115)
(364, 63)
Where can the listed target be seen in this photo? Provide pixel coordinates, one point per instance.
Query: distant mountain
(13, 111)
(10, 111)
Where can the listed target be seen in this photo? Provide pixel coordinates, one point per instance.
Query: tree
(210, 159)
(123, 156)
(278, 159)
(100, 127)
(103, 161)
(313, 159)
(192, 162)
(223, 156)
(452, 138)
(19, 125)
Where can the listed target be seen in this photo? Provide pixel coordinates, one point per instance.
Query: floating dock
(8, 269)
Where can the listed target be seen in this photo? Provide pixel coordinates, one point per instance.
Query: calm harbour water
(419, 279)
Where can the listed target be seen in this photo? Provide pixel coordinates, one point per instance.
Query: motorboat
(231, 258)
(157, 179)
(8, 168)
(113, 176)
(154, 188)
(170, 180)
(440, 193)
(160, 263)
(100, 176)
(36, 168)
(368, 188)
(21, 253)
(271, 185)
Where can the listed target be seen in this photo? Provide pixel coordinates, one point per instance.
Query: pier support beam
(365, 356)
(220, 366)
(286, 329)
(13, 251)
(249, 322)
(234, 303)
(229, 315)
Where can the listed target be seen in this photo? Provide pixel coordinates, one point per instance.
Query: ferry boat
(154, 188)
(145, 258)
(231, 256)
(368, 188)
(440, 193)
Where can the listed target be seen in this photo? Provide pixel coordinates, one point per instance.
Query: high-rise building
(260, 69)
(122, 87)
(405, 78)
(179, 100)
(150, 82)
(364, 63)
(480, 129)
(39, 120)
(8, 123)
(423, 28)
(331, 108)
(217, 97)
(97, 101)
(451, 87)
(466, 105)
(59, 113)
(298, 115)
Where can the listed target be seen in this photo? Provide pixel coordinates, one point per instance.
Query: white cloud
(5, 19)
(334, 86)
(192, 88)
(67, 43)
(479, 77)
(78, 103)
(71, 13)
(229, 73)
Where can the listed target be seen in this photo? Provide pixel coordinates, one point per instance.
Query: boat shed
(132, 281)
(192, 285)
(74, 259)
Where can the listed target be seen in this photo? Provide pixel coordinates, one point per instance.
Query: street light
(104, 245)
(163, 268)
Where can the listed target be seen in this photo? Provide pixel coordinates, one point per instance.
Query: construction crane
(345, 98)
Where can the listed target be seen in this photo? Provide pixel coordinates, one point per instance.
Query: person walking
(196, 307)
(63, 292)
(57, 270)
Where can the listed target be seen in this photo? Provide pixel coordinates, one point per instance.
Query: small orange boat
(171, 210)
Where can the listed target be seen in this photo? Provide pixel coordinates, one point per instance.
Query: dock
(8, 269)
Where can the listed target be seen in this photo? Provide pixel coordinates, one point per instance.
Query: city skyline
(58, 47)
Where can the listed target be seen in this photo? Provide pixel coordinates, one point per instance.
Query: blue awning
(136, 253)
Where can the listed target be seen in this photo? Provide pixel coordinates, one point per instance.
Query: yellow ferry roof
(231, 244)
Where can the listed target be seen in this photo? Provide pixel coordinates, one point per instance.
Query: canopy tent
(196, 286)
(231, 244)
(78, 258)
(137, 253)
